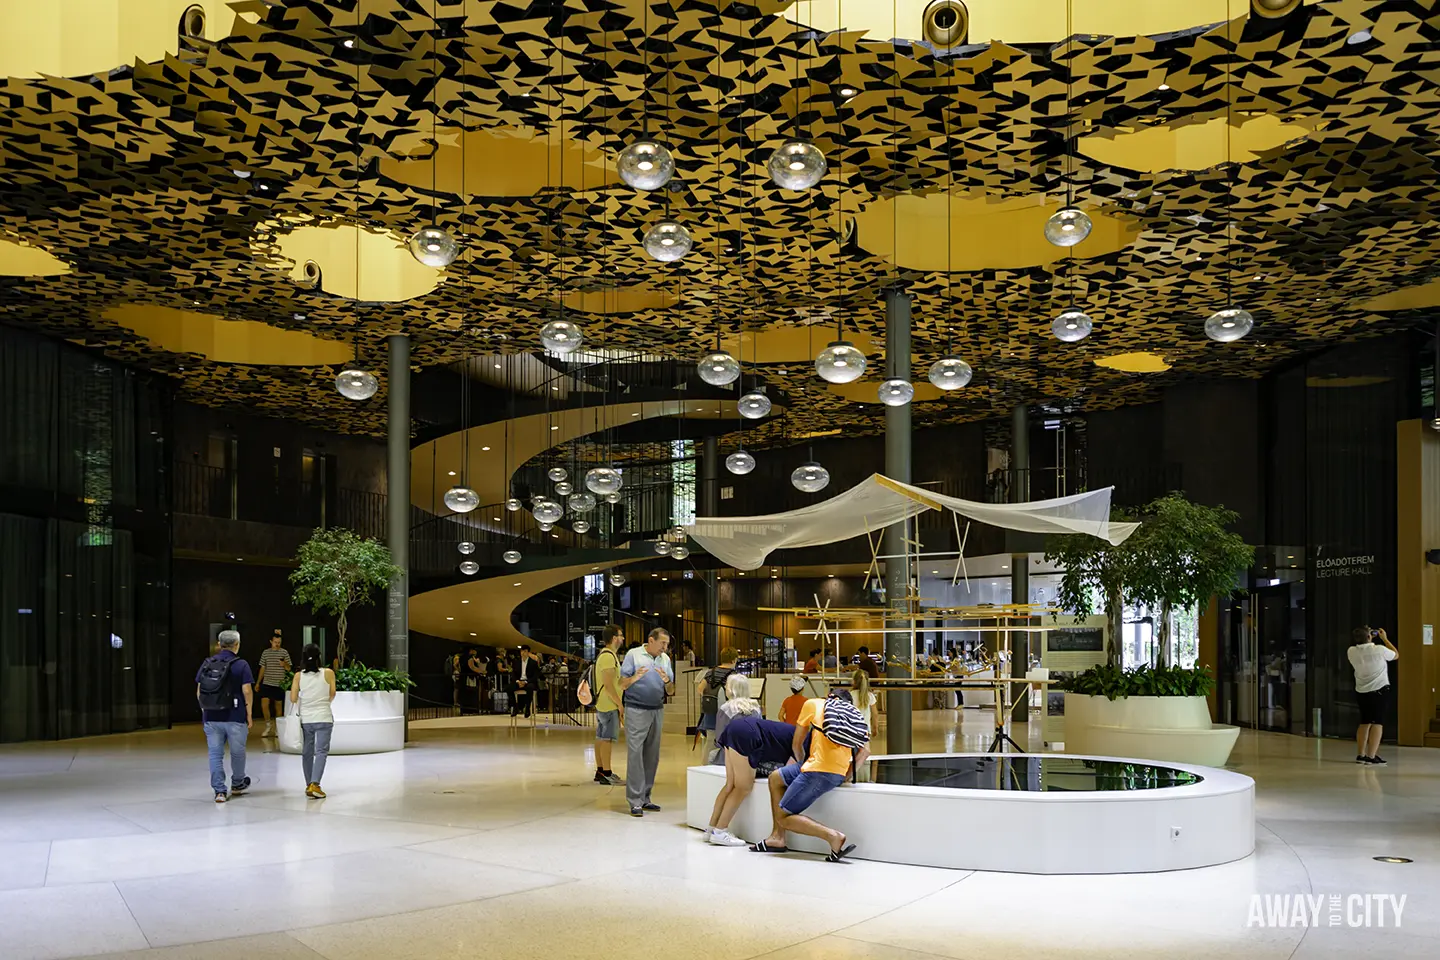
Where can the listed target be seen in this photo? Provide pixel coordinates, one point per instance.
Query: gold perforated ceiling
(161, 183)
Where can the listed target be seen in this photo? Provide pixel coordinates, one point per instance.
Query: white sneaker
(724, 838)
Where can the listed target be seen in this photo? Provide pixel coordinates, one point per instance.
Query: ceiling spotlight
(950, 373)
(1067, 227)
(1071, 326)
(645, 165)
(1229, 324)
(433, 246)
(1163, 87)
(561, 336)
(347, 44)
(797, 165)
(1358, 37)
(356, 384)
(718, 369)
(667, 241)
(242, 174)
(840, 362)
(848, 92)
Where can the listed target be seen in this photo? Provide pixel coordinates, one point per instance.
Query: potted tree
(1181, 555)
(338, 569)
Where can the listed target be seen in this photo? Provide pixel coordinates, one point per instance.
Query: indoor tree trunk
(1165, 645)
(1115, 613)
(340, 645)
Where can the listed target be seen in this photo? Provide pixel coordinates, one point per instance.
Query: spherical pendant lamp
(753, 406)
(581, 502)
(797, 165)
(612, 498)
(563, 488)
(547, 511)
(840, 362)
(545, 527)
(810, 478)
(556, 474)
(667, 241)
(1067, 227)
(662, 548)
(950, 373)
(465, 547)
(469, 568)
(680, 552)
(561, 337)
(645, 165)
(896, 392)
(433, 246)
(1071, 326)
(603, 480)
(513, 504)
(356, 384)
(718, 369)
(617, 579)
(581, 526)
(511, 556)
(740, 463)
(1229, 324)
(461, 499)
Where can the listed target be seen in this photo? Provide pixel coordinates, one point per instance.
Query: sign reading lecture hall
(1355, 565)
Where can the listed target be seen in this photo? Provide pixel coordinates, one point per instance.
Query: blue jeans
(217, 735)
(317, 748)
(802, 789)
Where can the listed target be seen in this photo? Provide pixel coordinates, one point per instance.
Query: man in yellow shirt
(608, 709)
(793, 788)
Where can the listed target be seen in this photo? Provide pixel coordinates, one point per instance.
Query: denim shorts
(607, 725)
(802, 789)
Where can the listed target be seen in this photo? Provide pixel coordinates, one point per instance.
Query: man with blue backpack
(224, 686)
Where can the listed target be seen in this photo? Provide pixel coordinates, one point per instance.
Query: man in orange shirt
(793, 788)
(790, 706)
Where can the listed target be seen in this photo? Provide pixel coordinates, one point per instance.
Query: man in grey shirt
(646, 679)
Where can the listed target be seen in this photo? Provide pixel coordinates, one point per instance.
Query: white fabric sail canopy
(877, 502)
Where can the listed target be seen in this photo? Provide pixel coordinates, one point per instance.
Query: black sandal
(763, 847)
(835, 856)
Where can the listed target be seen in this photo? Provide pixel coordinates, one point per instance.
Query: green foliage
(358, 678)
(1111, 682)
(1183, 555)
(336, 570)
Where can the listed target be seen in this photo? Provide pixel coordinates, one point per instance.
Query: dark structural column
(397, 504)
(1020, 562)
(897, 570)
(709, 507)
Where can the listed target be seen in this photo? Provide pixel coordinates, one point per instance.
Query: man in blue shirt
(646, 679)
(224, 687)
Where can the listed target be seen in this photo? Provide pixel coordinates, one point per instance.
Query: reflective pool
(1026, 772)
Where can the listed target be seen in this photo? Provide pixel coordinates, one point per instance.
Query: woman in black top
(753, 747)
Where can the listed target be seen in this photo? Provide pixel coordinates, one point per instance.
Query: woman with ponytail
(312, 690)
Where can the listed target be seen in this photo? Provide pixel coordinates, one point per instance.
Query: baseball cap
(797, 684)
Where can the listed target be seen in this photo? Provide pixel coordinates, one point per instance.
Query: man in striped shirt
(274, 663)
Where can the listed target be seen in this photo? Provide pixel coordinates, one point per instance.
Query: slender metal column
(899, 647)
(397, 504)
(709, 507)
(1020, 562)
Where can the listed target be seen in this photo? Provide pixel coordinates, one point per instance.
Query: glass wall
(84, 543)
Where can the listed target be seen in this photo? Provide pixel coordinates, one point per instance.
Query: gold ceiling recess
(72, 38)
(168, 171)
(984, 233)
(1195, 146)
(1137, 362)
(227, 341)
(23, 260)
(347, 261)
(866, 391)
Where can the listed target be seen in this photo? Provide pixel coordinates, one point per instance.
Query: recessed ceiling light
(1164, 87)
(241, 559)
(831, 576)
(555, 387)
(554, 428)
(464, 601)
(452, 473)
(496, 519)
(848, 91)
(484, 448)
(474, 634)
(497, 366)
(634, 414)
(449, 618)
(517, 584)
(349, 43)
(1004, 568)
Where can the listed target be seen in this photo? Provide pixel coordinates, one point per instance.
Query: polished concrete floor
(483, 841)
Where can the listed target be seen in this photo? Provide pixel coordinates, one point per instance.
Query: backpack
(710, 699)
(215, 693)
(585, 692)
(844, 725)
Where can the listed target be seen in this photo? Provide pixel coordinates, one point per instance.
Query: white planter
(364, 723)
(1175, 729)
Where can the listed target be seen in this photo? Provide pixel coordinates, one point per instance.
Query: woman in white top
(312, 690)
